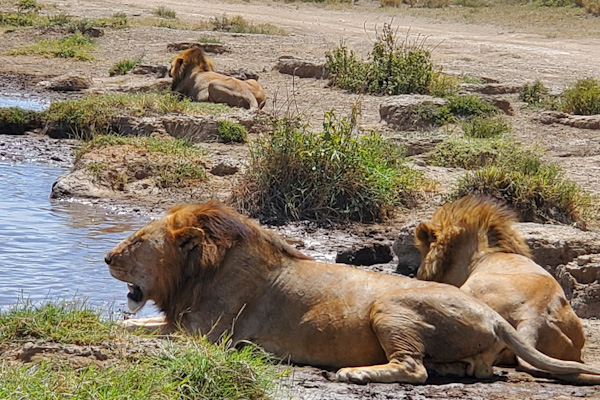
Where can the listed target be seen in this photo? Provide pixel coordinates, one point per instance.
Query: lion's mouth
(135, 298)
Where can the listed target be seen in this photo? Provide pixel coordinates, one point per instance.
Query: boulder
(301, 68)
(67, 83)
(402, 111)
(367, 254)
(160, 71)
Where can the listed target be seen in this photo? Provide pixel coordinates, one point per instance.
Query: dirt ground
(506, 56)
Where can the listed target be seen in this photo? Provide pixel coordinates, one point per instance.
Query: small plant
(485, 127)
(391, 68)
(583, 98)
(434, 115)
(29, 5)
(231, 132)
(164, 12)
(237, 24)
(15, 121)
(208, 39)
(470, 106)
(534, 94)
(443, 85)
(337, 174)
(75, 46)
(122, 67)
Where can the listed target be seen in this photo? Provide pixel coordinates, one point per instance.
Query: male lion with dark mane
(471, 243)
(193, 76)
(213, 271)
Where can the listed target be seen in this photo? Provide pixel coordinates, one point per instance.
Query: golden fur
(214, 271)
(471, 243)
(193, 76)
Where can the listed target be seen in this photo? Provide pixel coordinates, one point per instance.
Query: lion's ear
(424, 234)
(188, 238)
(177, 64)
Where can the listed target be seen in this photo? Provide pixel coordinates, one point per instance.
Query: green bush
(231, 132)
(535, 93)
(583, 98)
(122, 67)
(470, 106)
(337, 174)
(391, 68)
(485, 127)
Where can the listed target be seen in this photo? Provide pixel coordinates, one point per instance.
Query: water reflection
(54, 249)
(34, 105)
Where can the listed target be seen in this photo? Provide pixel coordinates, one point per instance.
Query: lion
(215, 272)
(193, 76)
(472, 243)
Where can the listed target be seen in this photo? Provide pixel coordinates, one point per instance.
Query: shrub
(122, 67)
(434, 114)
(230, 131)
(470, 106)
(485, 127)
(391, 68)
(535, 93)
(15, 121)
(442, 85)
(237, 24)
(583, 98)
(164, 12)
(333, 175)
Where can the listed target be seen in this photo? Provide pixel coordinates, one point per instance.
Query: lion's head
(166, 260)
(186, 62)
(460, 230)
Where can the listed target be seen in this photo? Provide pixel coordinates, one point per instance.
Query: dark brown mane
(187, 62)
(480, 219)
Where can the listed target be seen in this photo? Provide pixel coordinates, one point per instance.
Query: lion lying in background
(193, 76)
(472, 243)
(214, 271)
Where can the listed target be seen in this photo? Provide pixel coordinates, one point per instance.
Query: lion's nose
(108, 258)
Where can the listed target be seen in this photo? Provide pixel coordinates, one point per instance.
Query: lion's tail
(570, 370)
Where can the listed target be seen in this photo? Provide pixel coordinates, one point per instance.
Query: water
(33, 105)
(52, 250)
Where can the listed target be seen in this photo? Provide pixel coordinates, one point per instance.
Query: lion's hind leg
(222, 92)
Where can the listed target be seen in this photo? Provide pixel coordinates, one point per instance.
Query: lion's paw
(354, 375)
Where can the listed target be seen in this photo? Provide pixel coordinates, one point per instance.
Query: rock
(575, 121)
(586, 301)
(501, 103)
(369, 254)
(418, 144)
(129, 83)
(223, 169)
(409, 257)
(67, 83)
(215, 48)
(490, 88)
(401, 111)
(78, 184)
(159, 71)
(241, 73)
(301, 68)
(579, 279)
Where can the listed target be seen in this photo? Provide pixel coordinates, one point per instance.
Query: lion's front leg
(151, 324)
(406, 369)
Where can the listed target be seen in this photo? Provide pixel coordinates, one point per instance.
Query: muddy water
(52, 250)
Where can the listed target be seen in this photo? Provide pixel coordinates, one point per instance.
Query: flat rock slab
(402, 111)
(575, 121)
(290, 65)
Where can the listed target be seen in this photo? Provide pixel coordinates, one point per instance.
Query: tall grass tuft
(337, 174)
(583, 98)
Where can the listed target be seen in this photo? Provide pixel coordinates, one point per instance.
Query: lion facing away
(193, 76)
(471, 243)
(213, 271)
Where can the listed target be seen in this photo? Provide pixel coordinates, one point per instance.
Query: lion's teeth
(131, 287)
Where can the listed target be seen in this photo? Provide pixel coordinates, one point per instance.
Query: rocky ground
(505, 58)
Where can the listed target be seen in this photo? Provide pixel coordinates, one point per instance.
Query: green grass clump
(209, 39)
(583, 98)
(337, 174)
(231, 132)
(485, 127)
(31, 18)
(534, 94)
(238, 24)
(471, 153)
(122, 67)
(75, 46)
(392, 68)
(18, 20)
(136, 368)
(95, 114)
(15, 121)
(54, 322)
(23, 5)
(164, 12)
(470, 106)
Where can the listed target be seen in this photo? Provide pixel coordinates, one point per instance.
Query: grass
(122, 67)
(231, 132)
(535, 94)
(486, 127)
(238, 24)
(136, 367)
(506, 170)
(164, 12)
(583, 98)
(75, 46)
(31, 18)
(337, 174)
(95, 114)
(170, 162)
(391, 67)
(15, 121)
